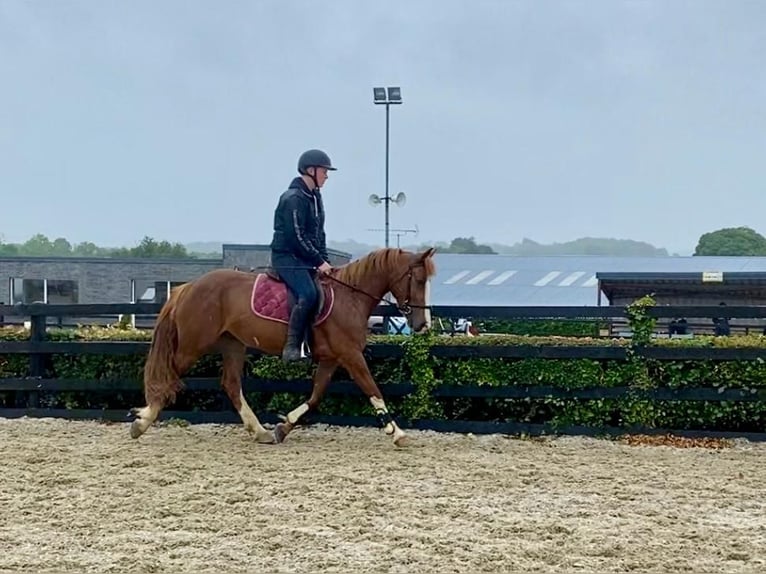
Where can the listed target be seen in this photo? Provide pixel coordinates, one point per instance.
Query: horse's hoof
(402, 441)
(135, 429)
(281, 431)
(265, 438)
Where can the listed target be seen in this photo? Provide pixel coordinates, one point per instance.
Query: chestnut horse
(213, 314)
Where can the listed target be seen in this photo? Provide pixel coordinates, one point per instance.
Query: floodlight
(395, 94)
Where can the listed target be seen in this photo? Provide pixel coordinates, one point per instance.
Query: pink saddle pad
(269, 300)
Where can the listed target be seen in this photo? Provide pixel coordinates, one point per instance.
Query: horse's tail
(161, 379)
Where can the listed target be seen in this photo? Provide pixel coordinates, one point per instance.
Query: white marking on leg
(248, 417)
(145, 416)
(428, 304)
(296, 413)
(391, 428)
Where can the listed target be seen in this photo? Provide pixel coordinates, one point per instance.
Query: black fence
(27, 390)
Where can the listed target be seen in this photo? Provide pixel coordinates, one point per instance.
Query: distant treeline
(40, 246)
(741, 241)
(582, 246)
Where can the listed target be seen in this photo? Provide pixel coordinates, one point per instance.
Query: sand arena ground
(84, 497)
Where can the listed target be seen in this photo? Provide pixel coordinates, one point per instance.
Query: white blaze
(428, 303)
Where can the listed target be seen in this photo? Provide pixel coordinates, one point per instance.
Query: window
(25, 291)
(144, 291)
(62, 291)
(54, 291)
(161, 291)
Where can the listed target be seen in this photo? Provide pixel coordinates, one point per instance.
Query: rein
(405, 307)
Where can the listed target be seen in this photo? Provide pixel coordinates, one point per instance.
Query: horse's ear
(427, 253)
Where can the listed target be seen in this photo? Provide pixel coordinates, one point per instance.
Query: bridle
(405, 307)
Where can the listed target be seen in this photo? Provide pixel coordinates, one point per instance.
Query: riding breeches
(299, 281)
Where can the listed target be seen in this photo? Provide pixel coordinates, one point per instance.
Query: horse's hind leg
(234, 354)
(159, 396)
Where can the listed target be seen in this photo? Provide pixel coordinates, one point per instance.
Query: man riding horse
(298, 247)
(217, 312)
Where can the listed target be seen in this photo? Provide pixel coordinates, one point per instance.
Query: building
(497, 280)
(508, 280)
(462, 279)
(127, 280)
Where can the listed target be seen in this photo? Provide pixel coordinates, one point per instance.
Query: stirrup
(288, 353)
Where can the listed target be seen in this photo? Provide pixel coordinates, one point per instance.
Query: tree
(584, 246)
(731, 241)
(61, 247)
(467, 245)
(8, 249)
(88, 249)
(37, 245)
(149, 248)
(40, 246)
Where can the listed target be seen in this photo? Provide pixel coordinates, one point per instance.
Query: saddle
(272, 300)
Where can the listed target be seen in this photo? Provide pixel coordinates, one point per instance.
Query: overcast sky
(183, 119)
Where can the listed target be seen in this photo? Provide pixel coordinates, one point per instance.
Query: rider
(298, 248)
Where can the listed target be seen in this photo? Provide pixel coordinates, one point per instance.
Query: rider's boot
(296, 331)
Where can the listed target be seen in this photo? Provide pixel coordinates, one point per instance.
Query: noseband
(405, 307)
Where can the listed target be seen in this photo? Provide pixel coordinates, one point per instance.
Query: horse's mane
(381, 260)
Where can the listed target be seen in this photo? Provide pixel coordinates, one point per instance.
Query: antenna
(400, 232)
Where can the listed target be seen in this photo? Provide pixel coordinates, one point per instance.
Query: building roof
(489, 280)
(750, 284)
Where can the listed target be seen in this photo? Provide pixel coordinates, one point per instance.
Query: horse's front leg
(360, 372)
(321, 380)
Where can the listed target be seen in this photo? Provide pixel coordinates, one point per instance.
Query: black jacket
(299, 225)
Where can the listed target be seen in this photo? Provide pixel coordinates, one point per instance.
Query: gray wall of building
(101, 280)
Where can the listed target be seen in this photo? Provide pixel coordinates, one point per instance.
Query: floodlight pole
(387, 96)
(387, 198)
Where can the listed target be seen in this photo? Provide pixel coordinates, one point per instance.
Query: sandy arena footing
(79, 496)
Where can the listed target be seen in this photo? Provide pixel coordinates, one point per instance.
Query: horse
(216, 313)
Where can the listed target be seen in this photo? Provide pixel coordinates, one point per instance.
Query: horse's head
(406, 275)
(410, 285)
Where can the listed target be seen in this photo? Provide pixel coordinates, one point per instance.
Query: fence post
(36, 360)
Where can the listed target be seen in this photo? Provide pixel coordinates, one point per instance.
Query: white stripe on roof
(548, 278)
(456, 277)
(571, 278)
(479, 277)
(592, 282)
(502, 277)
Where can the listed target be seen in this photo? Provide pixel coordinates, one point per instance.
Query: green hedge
(426, 371)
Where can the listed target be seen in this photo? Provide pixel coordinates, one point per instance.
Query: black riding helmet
(314, 158)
